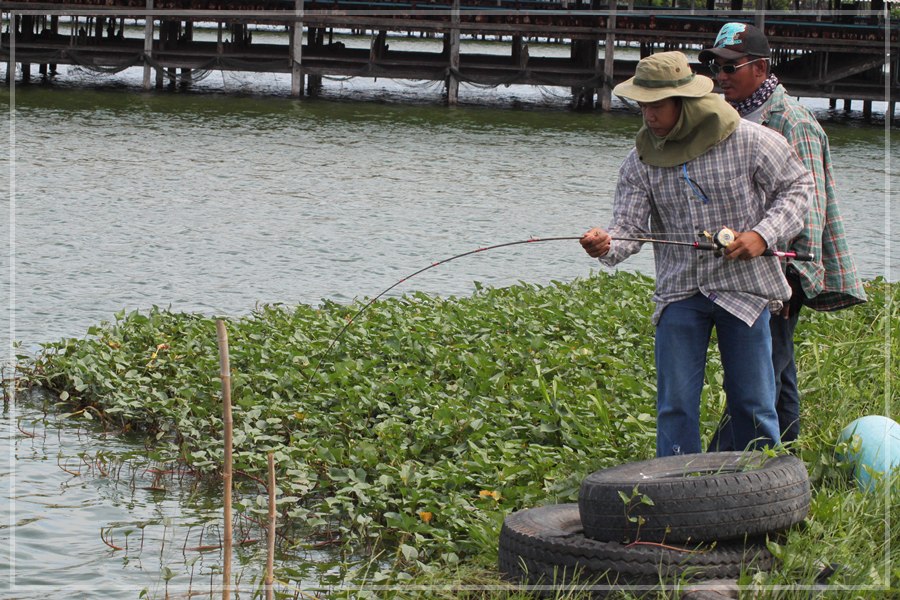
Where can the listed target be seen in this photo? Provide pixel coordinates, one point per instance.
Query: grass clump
(431, 419)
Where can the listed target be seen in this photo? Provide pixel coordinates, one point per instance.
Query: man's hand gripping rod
(718, 242)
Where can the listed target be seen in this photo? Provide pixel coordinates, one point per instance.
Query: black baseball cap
(736, 40)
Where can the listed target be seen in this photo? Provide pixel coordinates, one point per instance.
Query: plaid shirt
(752, 180)
(830, 282)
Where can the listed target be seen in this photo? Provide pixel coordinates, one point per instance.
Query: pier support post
(585, 54)
(40, 23)
(378, 49)
(847, 104)
(594, 57)
(148, 45)
(315, 41)
(867, 109)
(609, 60)
(759, 18)
(519, 52)
(452, 80)
(11, 63)
(54, 29)
(297, 51)
(27, 33)
(188, 37)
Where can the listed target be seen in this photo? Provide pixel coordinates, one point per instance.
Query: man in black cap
(739, 59)
(737, 47)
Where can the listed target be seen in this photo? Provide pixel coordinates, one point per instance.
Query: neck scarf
(758, 98)
(704, 122)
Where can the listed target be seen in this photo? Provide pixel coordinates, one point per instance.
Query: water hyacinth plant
(431, 419)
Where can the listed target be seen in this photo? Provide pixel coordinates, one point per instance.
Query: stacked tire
(640, 525)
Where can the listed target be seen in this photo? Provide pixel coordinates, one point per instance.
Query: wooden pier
(841, 55)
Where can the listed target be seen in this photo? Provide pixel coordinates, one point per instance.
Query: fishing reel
(720, 239)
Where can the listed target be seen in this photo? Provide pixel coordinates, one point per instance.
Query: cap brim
(701, 85)
(710, 54)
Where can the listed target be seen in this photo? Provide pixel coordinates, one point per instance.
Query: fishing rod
(717, 243)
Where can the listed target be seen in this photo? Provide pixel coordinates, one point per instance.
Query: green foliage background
(430, 419)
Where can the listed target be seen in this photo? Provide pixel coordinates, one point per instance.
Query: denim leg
(682, 340)
(787, 395)
(749, 379)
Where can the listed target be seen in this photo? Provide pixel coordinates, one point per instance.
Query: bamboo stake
(270, 560)
(225, 374)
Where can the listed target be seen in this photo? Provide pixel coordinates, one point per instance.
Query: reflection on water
(84, 521)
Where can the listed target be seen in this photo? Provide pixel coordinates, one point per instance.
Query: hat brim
(699, 86)
(710, 54)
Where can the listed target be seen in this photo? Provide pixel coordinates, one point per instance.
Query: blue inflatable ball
(878, 451)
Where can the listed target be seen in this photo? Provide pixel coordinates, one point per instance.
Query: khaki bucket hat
(664, 75)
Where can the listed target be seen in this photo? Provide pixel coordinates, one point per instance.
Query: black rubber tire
(695, 497)
(545, 549)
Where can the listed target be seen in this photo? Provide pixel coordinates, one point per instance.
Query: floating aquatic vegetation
(432, 418)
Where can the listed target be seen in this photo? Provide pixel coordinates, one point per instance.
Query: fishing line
(420, 271)
(717, 243)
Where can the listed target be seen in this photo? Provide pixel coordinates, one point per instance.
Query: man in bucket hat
(739, 59)
(697, 166)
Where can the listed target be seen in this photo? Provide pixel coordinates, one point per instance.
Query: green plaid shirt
(830, 282)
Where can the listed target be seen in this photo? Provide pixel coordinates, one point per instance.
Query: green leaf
(409, 553)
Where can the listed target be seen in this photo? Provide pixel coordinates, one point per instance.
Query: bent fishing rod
(718, 242)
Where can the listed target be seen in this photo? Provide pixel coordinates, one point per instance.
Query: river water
(231, 194)
(82, 521)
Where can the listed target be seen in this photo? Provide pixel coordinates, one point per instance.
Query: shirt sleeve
(810, 148)
(631, 211)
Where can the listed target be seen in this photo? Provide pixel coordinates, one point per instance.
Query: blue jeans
(682, 340)
(787, 395)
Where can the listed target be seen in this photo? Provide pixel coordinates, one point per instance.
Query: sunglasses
(729, 69)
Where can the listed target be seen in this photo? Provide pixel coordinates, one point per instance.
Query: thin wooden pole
(270, 560)
(225, 374)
